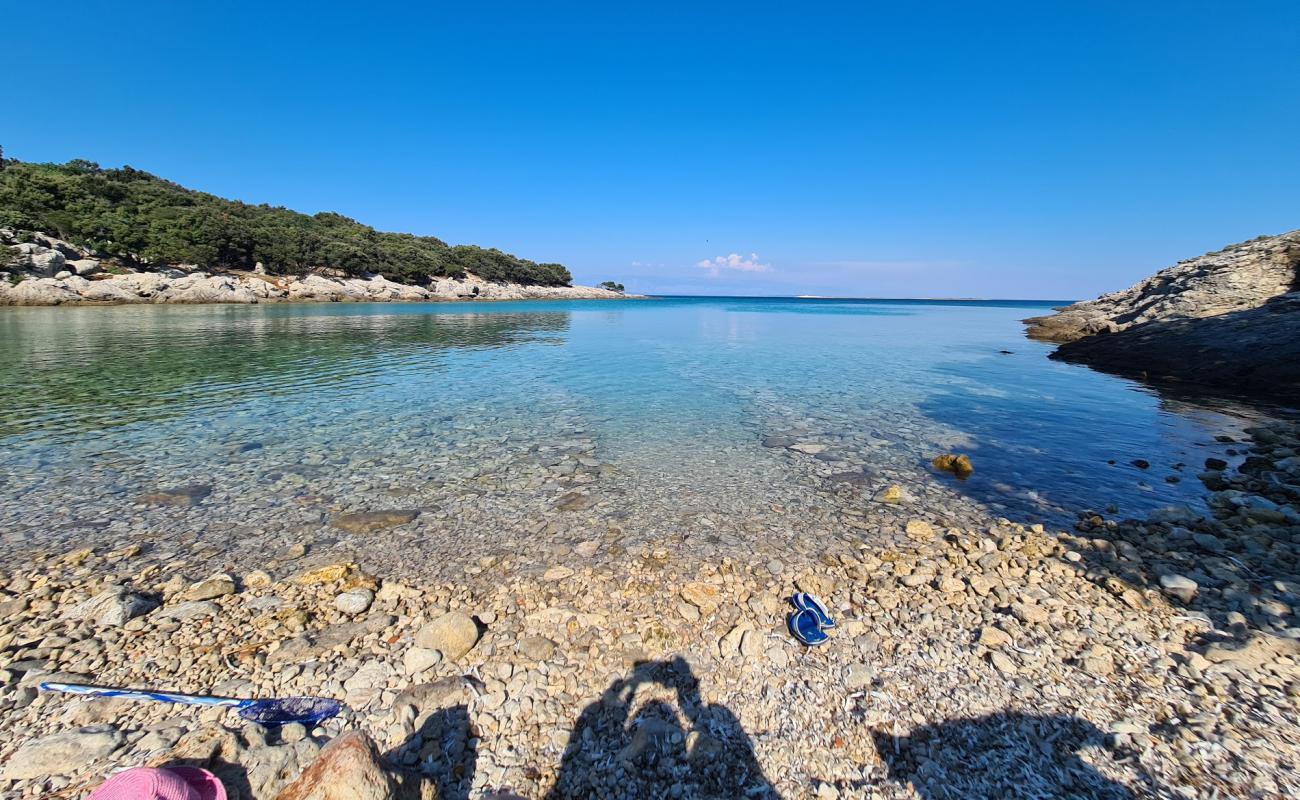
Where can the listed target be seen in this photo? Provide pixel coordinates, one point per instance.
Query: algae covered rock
(958, 465)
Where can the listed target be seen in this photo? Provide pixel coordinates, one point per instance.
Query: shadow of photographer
(672, 745)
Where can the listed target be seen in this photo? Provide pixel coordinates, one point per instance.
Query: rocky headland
(1228, 320)
(46, 271)
(1124, 658)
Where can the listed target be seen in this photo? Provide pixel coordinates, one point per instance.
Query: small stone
(858, 676)
(419, 659)
(354, 601)
(920, 529)
(827, 791)
(536, 648)
(1030, 614)
(729, 645)
(952, 585)
(993, 637)
(326, 574)
(778, 657)
(1003, 662)
(1179, 587)
(191, 610)
(891, 494)
(811, 448)
(216, 586)
(704, 596)
(257, 579)
(453, 634)
(751, 644)
(981, 585)
(1098, 660)
(372, 675)
(558, 574)
(293, 732)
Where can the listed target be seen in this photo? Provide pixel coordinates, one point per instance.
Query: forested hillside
(147, 221)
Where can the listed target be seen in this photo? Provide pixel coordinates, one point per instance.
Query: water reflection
(67, 371)
(655, 412)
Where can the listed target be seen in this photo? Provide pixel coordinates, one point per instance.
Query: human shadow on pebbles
(443, 749)
(673, 745)
(1005, 755)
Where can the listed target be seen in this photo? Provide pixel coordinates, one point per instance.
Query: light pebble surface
(973, 657)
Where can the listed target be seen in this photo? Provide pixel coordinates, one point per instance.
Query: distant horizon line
(855, 297)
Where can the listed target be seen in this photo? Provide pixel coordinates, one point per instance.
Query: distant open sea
(663, 407)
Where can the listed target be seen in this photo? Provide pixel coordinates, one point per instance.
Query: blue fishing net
(307, 710)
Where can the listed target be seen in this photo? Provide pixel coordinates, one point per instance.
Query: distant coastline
(180, 287)
(837, 298)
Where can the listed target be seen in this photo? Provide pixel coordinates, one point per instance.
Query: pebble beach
(972, 658)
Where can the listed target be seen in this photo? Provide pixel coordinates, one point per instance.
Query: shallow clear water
(485, 414)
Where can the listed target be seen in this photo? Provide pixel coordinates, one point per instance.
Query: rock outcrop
(1237, 278)
(49, 272)
(1228, 320)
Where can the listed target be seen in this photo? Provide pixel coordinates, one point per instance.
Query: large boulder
(320, 289)
(36, 259)
(37, 292)
(82, 266)
(200, 288)
(68, 249)
(62, 753)
(111, 607)
(348, 768)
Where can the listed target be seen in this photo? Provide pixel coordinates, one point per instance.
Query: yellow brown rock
(958, 465)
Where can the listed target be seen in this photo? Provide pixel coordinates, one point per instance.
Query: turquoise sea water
(662, 406)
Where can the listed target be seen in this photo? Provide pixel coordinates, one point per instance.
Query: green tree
(144, 220)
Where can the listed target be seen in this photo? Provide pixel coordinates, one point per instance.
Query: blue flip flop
(813, 605)
(804, 627)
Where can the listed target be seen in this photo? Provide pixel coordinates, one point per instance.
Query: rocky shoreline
(1124, 658)
(1228, 320)
(50, 272)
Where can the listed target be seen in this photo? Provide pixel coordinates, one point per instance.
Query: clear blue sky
(1028, 149)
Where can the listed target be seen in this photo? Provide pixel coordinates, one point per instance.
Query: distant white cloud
(734, 261)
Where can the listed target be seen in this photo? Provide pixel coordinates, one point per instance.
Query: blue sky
(1035, 149)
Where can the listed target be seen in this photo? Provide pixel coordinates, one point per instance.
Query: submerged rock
(190, 495)
(958, 465)
(371, 521)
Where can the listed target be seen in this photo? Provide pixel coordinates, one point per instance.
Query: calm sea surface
(664, 415)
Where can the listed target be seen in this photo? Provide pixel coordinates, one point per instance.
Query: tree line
(146, 221)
